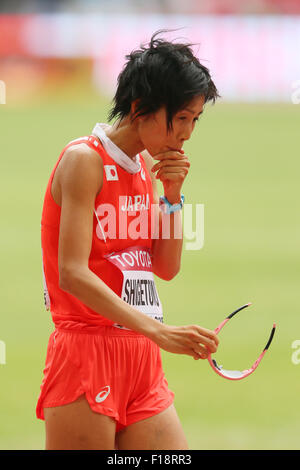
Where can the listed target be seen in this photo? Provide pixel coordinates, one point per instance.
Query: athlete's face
(154, 134)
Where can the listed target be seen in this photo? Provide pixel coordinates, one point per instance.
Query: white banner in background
(251, 58)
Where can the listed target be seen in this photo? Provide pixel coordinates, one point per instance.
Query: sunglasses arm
(264, 351)
(230, 316)
(221, 325)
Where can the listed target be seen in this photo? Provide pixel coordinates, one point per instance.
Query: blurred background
(59, 63)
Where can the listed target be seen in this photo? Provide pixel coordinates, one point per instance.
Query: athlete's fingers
(172, 169)
(210, 345)
(201, 352)
(169, 170)
(177, 163)
(173, 154)
(207, 333)
(198, 353)
(199, 356)
(172, 173)
(204, 343)
(204, 336)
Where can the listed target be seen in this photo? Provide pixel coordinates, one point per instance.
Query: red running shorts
(119, 371)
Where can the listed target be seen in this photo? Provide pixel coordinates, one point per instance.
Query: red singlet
(122, 212)
(119, 371)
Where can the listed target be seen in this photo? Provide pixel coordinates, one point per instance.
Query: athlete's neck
(124, 135)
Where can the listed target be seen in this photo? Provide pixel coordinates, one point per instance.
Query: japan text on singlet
(123, 228)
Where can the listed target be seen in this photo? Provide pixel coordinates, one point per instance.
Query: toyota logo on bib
(102, 394)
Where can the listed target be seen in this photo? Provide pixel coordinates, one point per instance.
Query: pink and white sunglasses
(236, 374)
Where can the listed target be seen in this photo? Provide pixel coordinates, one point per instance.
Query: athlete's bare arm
(166, 251)
(79, 178)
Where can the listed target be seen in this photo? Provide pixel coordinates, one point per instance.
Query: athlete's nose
(186, 133)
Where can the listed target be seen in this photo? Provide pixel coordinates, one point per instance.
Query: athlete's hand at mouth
(171, 169)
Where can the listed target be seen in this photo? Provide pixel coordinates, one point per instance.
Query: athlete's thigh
(159, 432)
(76, 427)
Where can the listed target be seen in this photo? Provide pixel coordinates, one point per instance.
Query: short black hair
(162, 73)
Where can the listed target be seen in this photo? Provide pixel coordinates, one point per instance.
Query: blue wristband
(167, 208)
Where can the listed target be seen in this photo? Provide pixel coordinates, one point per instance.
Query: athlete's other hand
(192, 340)
(171, 170)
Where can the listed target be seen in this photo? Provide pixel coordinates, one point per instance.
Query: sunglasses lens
(230, 374)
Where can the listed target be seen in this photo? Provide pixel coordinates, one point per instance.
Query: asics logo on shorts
(102, 394)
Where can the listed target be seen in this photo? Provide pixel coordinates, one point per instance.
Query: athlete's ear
(134, 107)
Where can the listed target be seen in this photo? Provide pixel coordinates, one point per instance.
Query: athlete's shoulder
(81, 150)
(80, 165)
(82, 157)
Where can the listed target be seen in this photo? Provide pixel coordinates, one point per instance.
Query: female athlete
(104, 237)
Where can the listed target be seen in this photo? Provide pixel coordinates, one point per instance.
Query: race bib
(138, 287)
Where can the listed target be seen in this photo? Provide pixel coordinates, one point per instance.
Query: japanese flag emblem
(111, 173)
